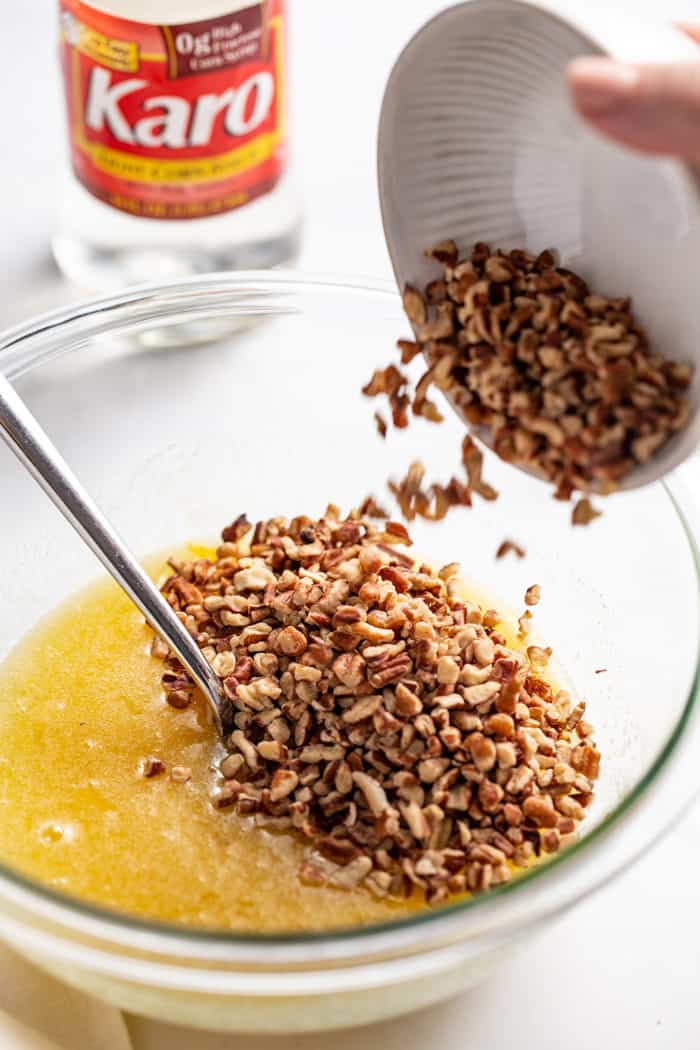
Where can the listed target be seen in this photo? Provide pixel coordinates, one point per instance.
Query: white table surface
(623, 969)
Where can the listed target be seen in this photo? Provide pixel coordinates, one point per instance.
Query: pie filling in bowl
(172, 444)
(390, 743)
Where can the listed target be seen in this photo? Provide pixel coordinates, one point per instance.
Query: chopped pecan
(152, 767)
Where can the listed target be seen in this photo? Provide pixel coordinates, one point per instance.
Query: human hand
(653, 108)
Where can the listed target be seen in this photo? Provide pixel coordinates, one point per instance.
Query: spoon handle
(30, 444)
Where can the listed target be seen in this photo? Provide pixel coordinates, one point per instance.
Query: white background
(622, 971)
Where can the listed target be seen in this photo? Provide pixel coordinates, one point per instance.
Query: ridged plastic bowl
(478, 141)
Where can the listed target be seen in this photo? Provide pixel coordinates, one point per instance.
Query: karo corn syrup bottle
(177, 127)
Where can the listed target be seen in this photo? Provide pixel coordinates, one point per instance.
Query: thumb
(655, 109)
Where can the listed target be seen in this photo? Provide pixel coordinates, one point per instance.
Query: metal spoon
(26, 439)
(478, 142)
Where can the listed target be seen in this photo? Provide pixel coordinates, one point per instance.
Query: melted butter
(80, 709)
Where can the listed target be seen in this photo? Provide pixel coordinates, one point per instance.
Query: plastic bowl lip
(506, 912)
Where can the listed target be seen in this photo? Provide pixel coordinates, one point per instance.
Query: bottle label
(176, 121)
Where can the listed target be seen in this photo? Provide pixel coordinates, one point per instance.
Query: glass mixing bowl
(175, 442)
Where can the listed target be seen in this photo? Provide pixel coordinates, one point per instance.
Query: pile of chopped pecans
(562, 379)
(377, 711)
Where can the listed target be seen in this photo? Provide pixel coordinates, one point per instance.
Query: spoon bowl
(478, 142)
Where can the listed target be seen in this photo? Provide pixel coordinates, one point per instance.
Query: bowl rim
(32, 344)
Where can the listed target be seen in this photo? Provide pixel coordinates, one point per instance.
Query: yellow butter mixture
(81, 708)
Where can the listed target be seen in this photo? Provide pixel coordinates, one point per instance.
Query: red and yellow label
(179, 121)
